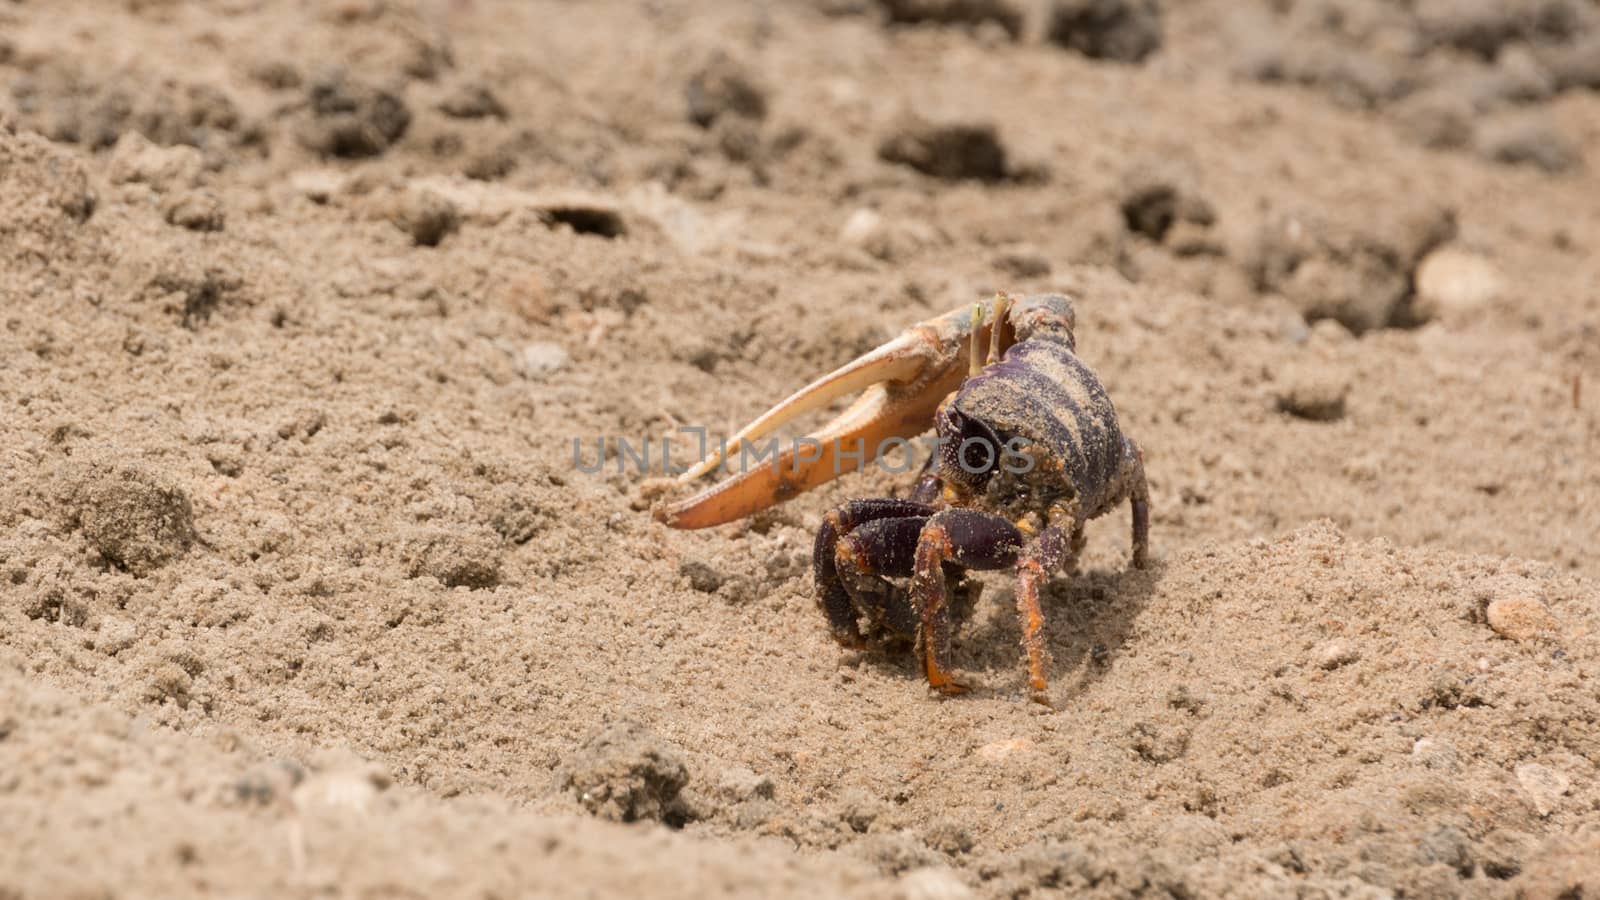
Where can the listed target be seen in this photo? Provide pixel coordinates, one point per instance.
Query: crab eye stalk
(1046, 317)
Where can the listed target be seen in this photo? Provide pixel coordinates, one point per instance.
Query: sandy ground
(305, 303)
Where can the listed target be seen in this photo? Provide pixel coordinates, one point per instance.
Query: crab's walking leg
(886, 547)
(972, 540)
(1139, 500)
(1075, 550)
(832, 594)
(929, 489)
(1052, 550)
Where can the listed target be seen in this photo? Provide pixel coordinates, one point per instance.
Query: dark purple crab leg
(832, 594)
(867, 557)
(929, 489)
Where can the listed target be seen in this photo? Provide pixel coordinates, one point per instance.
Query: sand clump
(347, 116)
(47, 194)
(72, 101)
(455, 558)
(1358, 275)
(724, 88)
(1462, 76)
(195, 210)
(135, 159)
(131, 516)
(625, 774)
(947, 150)
(473, 100)
(1157, 207)
(1005, 14)
(1121, 30)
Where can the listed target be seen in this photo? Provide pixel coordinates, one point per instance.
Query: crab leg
(904, 380)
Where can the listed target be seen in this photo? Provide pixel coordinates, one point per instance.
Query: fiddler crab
(1028, 450)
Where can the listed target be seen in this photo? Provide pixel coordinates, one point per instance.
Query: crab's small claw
(904, 381)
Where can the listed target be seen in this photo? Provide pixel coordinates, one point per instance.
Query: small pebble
(625, 773)
(349, 789)
(1519, 618)
(1193, 239)
(1336, 653)
(934, 883)
(1436, 754)
(542, 358)
(472, 101)
(194, 210)
(1439, 118)
(1022, 261)
(861, 227)
(1543, 785)
(465, 557)
(740, 784)
(1329, 333)
(1313, 395)
(137, 518)
(1000, 751)
(886, 240)
(116, 635)
(316, 185)
(425, 215)
(1451, 281)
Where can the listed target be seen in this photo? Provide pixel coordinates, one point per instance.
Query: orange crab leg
(905, 380)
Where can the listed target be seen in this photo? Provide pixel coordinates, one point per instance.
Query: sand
(305, 304)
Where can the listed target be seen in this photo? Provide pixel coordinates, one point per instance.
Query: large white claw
(904, 381)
